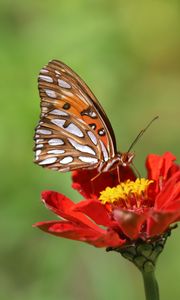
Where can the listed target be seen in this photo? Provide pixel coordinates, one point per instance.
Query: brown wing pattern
(65, 143)
(70, 113)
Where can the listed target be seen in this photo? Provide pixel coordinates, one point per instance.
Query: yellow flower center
(125, 191)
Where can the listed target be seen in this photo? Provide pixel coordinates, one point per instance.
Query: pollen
(125, 191)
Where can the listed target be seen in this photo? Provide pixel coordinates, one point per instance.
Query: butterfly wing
(65, 143)
(70, 113)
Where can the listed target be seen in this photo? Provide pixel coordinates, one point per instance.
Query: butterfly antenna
(141, 133)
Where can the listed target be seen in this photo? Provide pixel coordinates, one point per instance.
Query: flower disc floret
(125, 190)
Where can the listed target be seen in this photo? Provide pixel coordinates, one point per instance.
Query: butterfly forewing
(74, 131)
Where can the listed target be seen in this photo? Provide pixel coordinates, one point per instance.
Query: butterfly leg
(118, 174)
(136, 170)
(92, 180)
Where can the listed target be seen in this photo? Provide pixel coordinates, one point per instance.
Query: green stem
(150, 285)
(144, 255)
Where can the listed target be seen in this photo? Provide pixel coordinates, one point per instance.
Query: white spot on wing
(39, 141)
(72, 128)
(38, 152)
(43, 131)
(58, 112)
(87, 159)
(63, 84)
(93, 114)
(56, 151)
(66, 160)
(58, 122)
(50, 93)
(92, 137)
(39, 146)
(104, 150)
(44, 109)
(57, 72)
(48, 161)
(44, 71)
(46, 78)
(82, 148)
(55, 142)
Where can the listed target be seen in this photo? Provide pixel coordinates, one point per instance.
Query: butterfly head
(126, 158)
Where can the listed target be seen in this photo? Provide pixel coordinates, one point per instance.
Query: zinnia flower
(118, 214)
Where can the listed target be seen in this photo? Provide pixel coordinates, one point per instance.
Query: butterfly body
(120, 159)
(74, 131)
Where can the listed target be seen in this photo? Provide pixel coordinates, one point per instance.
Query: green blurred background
(129, 54)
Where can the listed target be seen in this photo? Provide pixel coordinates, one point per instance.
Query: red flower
(135, 209)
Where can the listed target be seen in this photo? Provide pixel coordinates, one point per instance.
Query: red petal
(94, 210)
(110, 239)
(159, 166)
(64, 207)
(90, 186)
(174, 206)
(75, 232)
(160, 221)
(130, 222)
(56, 202)
(67, 229)
(169, 194)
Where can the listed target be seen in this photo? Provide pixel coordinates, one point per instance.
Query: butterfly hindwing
(65, 143)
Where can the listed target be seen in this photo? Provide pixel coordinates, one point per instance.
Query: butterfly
(74, 131)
